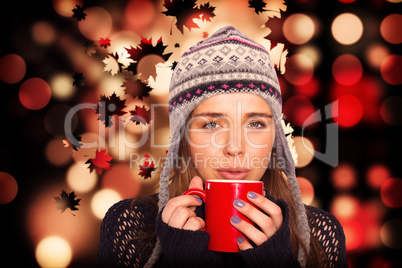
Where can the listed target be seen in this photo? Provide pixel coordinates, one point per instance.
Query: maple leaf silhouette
(147, 169)
(146, 48)
(186, 11)
(100, 163)
(104, 42)
(73, 141)
(258, 5)
(204, 35)
(78, 79)
(109, 106)
(66, 201)
(207, 12)
(79, 13)
(141, 115)
(137, 89)
(174, 64)
(90, 47)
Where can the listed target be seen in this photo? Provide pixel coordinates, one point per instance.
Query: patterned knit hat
(227, 62)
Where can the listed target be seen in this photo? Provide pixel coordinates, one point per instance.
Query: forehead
(233, 103)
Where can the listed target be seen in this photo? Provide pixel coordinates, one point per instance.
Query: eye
(210, 125)
(257, 124)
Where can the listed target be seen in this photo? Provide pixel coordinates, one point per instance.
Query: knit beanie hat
(227, 62)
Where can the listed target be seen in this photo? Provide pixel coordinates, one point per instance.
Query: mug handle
(197, 192)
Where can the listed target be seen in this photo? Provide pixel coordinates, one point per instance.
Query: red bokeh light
(310, 89)
(35, 93)
(298, 109)
(368, 91)
(122, 180)
(353, 231)
(391, 191)
(12, 68)
(376, 175)
(346, 1)
(347, 70)
(139, 15)
(348, 112)
(299, 69)
(8, 188)
(391, 69)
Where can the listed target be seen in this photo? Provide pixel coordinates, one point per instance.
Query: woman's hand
(268, 224)
(179, 211)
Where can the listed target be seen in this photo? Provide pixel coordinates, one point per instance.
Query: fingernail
(238, 203)
(235, 219)
(252, 195)
(240, 239)
(199, 199)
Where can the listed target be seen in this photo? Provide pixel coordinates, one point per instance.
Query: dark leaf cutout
(137, 89)
(78, 79)
(141, 115)
(109, 106)
(147, 168)
(100, 163)
(186, 11)
(79, 13)
(258, 5)
(146, 48)
(66, 201)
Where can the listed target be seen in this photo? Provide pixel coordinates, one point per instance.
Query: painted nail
(240, 239)
(235, 219)
(238, 203)
(252, 195)
(199, 199)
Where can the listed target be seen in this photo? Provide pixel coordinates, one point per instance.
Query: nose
(235, 143)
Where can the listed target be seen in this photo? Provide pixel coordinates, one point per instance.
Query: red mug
(218, 198)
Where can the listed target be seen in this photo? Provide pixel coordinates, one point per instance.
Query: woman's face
(231, 137)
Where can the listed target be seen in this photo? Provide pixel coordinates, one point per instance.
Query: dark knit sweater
(185, 248)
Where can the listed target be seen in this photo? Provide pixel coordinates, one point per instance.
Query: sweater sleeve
(329, 234)
(185, 248)
(119, 242)
(276, 251)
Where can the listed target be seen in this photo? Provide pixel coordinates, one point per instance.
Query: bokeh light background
(337, 59)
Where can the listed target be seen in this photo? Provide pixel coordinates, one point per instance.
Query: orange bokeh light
(57, 154)
(35, 93)
(347, 28)
(12, 68)
(344, 177)
(97, 24)
(307, 190)
(65, 7)
(390, 28)
(298, 28)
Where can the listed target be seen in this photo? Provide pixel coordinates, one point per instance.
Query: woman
(225, 117)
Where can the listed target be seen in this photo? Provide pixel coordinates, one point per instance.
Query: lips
(233, 173)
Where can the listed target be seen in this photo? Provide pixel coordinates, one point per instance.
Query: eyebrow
(247, 115)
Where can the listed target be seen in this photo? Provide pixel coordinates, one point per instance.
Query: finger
(248, 230)
(269, 207)
(183, 200)
(180, 217)
(196, 182)
(194, 224)
(243, 244)
(256, 216)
